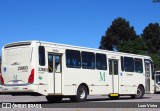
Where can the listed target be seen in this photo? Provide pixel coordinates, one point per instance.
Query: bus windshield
(158, 78)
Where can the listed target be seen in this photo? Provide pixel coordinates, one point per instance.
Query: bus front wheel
(81, 95)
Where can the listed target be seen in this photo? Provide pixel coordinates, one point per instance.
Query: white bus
(58, 71)
(157, 82)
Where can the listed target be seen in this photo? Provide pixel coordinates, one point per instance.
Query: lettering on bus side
(22, 68)
(102, 77)
(43, 69)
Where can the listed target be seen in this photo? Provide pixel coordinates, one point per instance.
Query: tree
(118, 33)
(151, 35)
(137, 46)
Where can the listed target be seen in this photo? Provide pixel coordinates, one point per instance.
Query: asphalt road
(149, 102)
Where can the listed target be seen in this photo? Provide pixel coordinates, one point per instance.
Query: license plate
(15, 82)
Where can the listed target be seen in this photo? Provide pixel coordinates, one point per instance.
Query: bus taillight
(2, 80)
(31, 77)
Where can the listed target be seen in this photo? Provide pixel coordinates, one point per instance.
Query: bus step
(113, 94)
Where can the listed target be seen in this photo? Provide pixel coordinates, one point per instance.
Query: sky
(73, 22)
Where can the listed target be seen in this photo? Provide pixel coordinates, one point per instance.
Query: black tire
(140, 93)
(54, 99)
(81, 95)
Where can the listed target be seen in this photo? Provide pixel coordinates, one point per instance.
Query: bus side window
(41, 51)
(73, 59)
(88, 60)
(58, 63)
(128, 64)
(122, 63)
(138, 65)
(101, 61)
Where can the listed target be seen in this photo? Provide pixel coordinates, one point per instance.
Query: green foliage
(121, 36)
(151, 35)
(156, 61)
(137, 46)
(119, 32)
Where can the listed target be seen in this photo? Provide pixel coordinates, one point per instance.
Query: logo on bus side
(15, 63)
(43, 69)
(102, 76)
(23, 68)
(14, 77)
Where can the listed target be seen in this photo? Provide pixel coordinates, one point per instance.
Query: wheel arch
(141, 85)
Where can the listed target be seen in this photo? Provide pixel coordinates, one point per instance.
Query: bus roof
(69, 46)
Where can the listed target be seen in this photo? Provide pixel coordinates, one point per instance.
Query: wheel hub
(139, 92)
(82, 93)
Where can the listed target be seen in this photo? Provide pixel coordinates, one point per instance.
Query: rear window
(17, 55)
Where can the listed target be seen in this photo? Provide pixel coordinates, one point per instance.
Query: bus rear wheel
(81, 95)
(54, 99)
(140, 93)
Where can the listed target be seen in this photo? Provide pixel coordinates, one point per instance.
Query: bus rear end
(17, 70)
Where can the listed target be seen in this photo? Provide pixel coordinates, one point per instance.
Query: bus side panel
(128, 83)
(94, 79)
(41, 72)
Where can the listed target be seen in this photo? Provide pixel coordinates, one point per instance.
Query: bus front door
(113, 71)
(55, 68)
